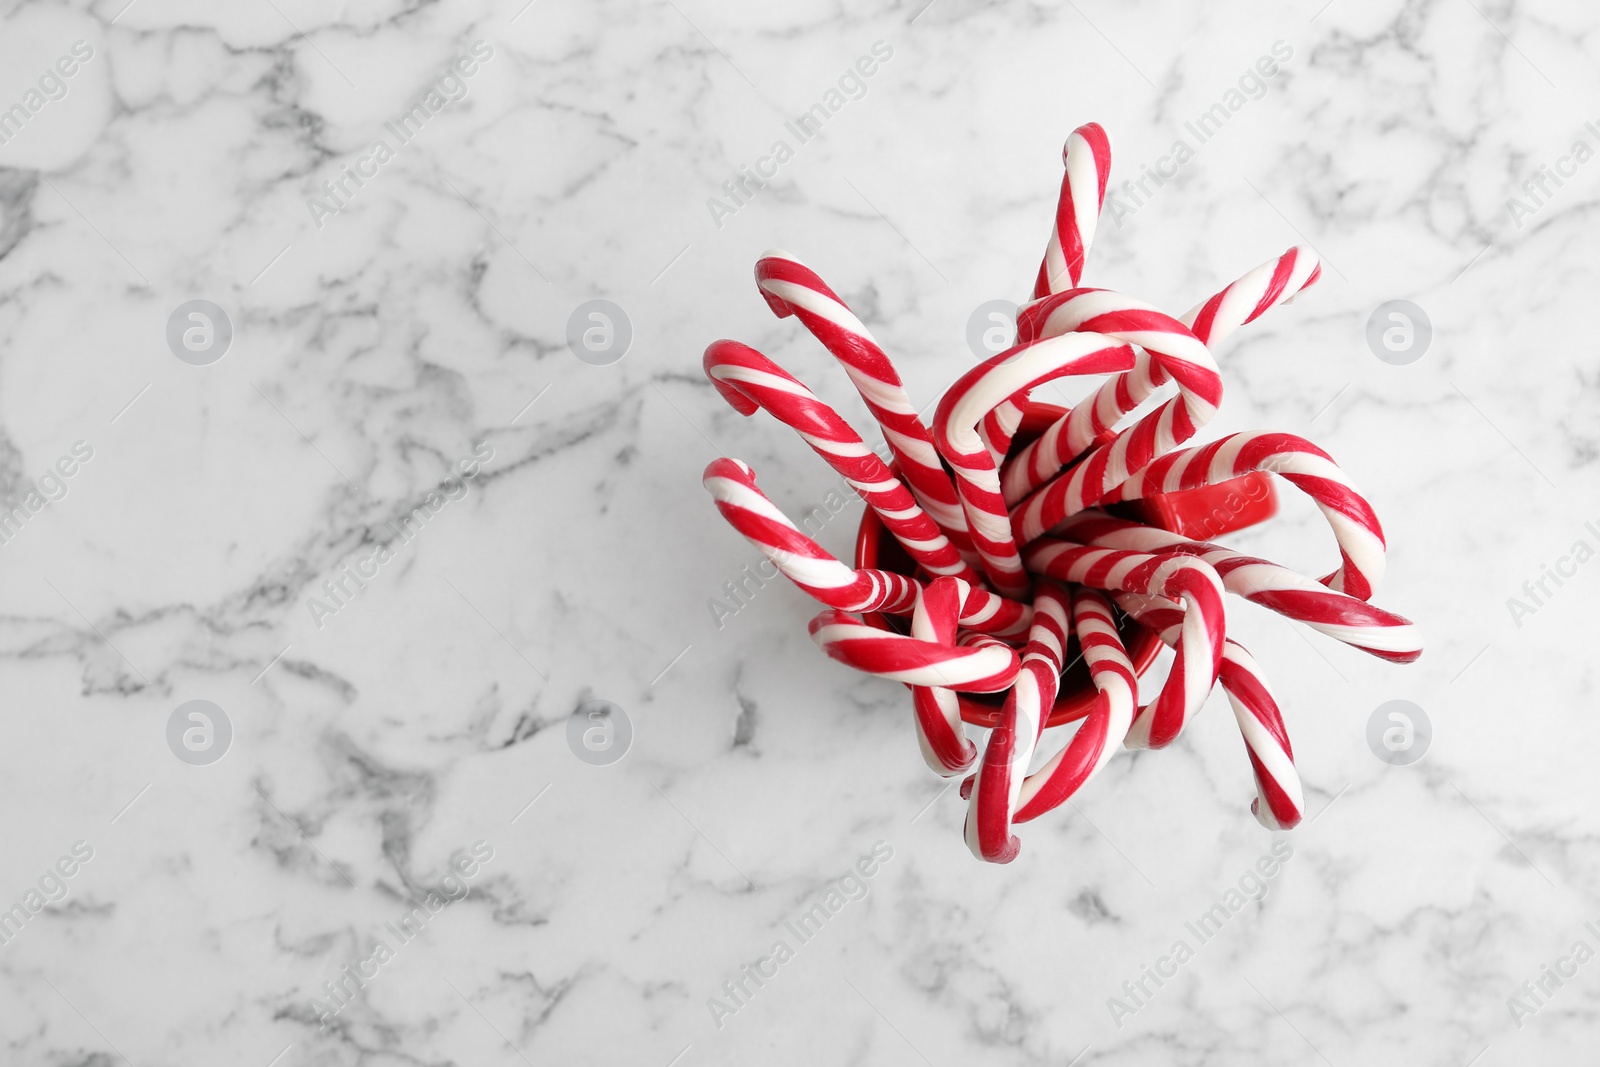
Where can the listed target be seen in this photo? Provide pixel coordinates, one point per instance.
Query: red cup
(1198, 514)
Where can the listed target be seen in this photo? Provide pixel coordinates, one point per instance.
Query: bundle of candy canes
(1017, 562)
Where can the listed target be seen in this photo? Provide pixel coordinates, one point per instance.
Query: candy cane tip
(1006, 853)
(779, 306)
(728, 468)
(1264, 815)
(1410, 655)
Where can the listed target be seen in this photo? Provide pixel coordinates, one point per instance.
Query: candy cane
(1355, 525)
(1175, 577)
(956, 435)
(993, 792)
(1280, 802)
(1087, 159)
(1179, 355)
(1101, 734)
(749, 380)
(986, 668)
(1289, 593)
(792, 288)
(732, 485)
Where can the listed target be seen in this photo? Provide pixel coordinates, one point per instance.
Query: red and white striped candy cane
(986, 667)
(1101, 734)
(993, 791)
(1289, 593)
(1176, 577)
(749, 380)
(1296, 460)
(1087, 159)
(1280, 802)
(792, 288)
(732, 485)
(956, 434)
(1179, 355)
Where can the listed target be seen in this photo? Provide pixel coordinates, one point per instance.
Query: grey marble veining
(293, 533)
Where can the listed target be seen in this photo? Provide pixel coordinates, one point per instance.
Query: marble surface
(405, 744)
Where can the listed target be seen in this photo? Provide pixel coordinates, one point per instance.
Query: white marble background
(372, 353)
